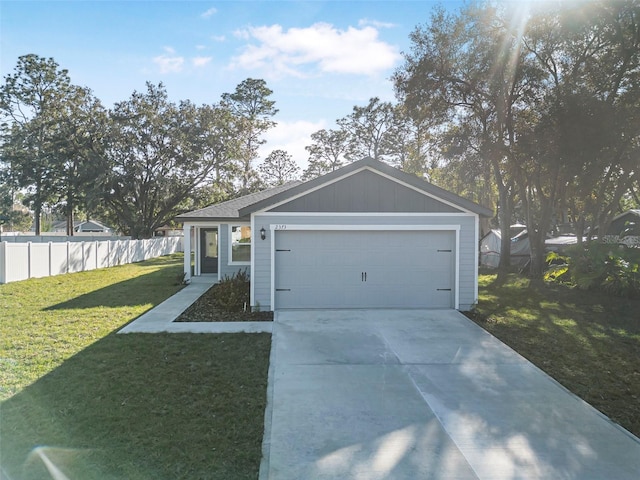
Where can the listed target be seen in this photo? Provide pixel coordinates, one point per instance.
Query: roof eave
(184, 219)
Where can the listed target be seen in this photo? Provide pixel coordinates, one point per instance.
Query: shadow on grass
(143, 406)
(588, 341)
(151, 288)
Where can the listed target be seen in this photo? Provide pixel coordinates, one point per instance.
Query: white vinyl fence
(20, 261)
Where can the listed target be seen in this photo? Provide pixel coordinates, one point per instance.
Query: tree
(327, 153)
(588, 127)
(368, 128)
(51, 135)
(17, 219)
(160, 155)
(80, 129)
(252, 110)
(405, 142)
(278, 168)
(467, 70)
(30, 101)
(546, 100)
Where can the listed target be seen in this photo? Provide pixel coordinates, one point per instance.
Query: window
(240, 244)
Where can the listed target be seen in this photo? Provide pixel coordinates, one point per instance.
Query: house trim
(196, 249)
(366, 214)
(230, 240)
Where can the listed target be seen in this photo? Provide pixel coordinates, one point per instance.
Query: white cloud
(209, 13)
(325, 48)
(169, 64)
(375, 23)
(291, 137)
(242, 34)
(169, 50)
(200, 61)
(218, 38)
(201, 47)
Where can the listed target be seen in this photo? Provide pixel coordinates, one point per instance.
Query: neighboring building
(364, 236)
(625, 229)
(87, 226)
(167, 231)
(491, 247)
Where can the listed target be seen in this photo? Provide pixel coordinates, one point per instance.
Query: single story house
(87, 226)
(364, 236)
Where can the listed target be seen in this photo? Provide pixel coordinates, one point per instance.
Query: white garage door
(364, 269)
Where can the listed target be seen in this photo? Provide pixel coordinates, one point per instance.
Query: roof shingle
(231, 208)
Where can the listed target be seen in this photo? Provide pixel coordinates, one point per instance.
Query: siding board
(365, 192)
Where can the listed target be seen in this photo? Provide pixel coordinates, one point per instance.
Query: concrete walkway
(372, 395)
(161, 317)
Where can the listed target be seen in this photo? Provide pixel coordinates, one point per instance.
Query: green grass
(47, 320)
(97, 405)
(588, 341)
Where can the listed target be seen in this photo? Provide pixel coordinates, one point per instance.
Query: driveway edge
(268, 411)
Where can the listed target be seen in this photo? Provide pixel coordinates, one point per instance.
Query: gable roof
(82, 226)
(376, 166)
(230, 210)
(243, 207)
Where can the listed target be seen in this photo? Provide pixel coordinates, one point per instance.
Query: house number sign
(280, 227)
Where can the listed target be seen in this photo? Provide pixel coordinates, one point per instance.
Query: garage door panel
(326, 269)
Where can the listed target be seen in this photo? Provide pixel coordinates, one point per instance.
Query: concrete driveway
(402, 394)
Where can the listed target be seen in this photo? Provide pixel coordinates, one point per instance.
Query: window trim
(230, 260)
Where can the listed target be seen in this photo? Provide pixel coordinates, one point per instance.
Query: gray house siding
(365, 191)
(467, 247)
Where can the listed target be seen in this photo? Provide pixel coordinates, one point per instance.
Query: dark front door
(209, 250)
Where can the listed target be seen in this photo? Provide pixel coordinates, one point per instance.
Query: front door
(209, 250)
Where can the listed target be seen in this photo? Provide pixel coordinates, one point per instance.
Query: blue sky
(319, 57)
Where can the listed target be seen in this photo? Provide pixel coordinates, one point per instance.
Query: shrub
(614, 269)
(232, 294)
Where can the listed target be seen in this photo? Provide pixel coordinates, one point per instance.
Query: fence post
(3, 262)
(50, 260)
(28, 259)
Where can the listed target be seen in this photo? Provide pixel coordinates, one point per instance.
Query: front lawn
(95, 405)
(588, 341)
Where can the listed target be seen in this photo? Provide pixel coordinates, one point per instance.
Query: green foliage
(610, 268)
(11, 218)
(519, 107)
(159, 155)
(278, 168)
(253, 111)
(51, 135)
(138, 165)
(232, 294)
(327, 152)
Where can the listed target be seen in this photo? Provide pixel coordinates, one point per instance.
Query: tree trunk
(580, 224)
(504, 217)
(505, 243)
(37, 213)
(536, 245)
(70, 219)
